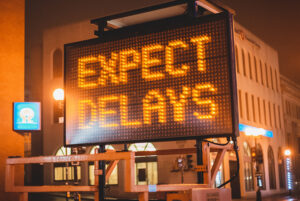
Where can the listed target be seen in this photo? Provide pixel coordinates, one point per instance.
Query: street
(60, 197)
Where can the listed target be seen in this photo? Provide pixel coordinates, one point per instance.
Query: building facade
(260, 108)
(291, 102)
(12, 55)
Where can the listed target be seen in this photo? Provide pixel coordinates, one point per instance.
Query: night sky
(275, 21)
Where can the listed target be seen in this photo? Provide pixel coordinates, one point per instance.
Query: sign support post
(200, 179)
(102, 176)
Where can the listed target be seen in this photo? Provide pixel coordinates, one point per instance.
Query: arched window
(261, 72)
(250, 65)
(271, 75)
(281, 168)
(113, 179)
(244, 63)
(267, 76)
(260, 168)
(65, 171)
(272, 175)
(237, 59)
(145, 167)
(255, 69)
(247, 106)
(57, 63)
(248, 170)
(240, 103)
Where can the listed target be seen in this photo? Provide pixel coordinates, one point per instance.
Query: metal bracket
(201, 168)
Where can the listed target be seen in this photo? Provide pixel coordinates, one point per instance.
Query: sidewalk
(272, 198)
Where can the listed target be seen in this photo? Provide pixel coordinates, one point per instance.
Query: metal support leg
(102, 176)
(199, 160)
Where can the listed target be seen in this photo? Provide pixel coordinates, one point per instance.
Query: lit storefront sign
(26, 116)
(289, 173)
(253, 131)
(167, 80)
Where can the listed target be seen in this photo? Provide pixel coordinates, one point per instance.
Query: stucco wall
(11, 84)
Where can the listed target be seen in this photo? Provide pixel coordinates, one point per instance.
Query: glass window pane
(91, 174)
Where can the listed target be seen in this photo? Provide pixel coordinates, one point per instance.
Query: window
(113, 179)
(145, 167)
(279, 116)
(220, 175)
(255, 69)
(275, 118)
(244, 63)
(247, 106)
(57, 63)
(265, 112)
(271, 74)
(240, 104)
(65, 171)
(261, 72)
(250, 66)
(253, 109)
(260, 166)
(281, 168)
(276, 81)
(237, 59)
(258, 106)
(248, 171)
(272, 175)
(267, 79)
(270, 114)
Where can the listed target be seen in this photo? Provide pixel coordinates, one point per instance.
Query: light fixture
(58, 94)
(287, 152)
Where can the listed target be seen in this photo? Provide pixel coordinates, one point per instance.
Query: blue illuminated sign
(27, 116)
(253, 131)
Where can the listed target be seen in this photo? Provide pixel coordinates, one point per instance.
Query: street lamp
(58, 110)
(287, 152)
(58, 94)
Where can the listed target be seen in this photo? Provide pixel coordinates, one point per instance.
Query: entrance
(235, 184)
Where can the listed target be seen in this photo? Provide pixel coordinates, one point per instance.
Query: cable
(238, 164)
(228, 141)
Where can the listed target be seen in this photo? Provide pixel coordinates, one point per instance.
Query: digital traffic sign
(26, 116)
(169, 79)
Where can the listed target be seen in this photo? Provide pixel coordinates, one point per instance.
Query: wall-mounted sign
(26, 116)
(169, 79)
(253, 131)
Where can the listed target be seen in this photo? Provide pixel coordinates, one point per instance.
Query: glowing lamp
(287, 152)
(58, 94)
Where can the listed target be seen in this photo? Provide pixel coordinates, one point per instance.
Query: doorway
(235, 184)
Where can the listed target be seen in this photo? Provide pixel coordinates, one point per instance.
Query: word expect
(130, 59)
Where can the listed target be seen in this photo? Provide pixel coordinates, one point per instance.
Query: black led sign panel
(169, 79)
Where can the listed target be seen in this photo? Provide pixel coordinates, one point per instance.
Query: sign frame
(27, 130)
(158, 26)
